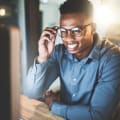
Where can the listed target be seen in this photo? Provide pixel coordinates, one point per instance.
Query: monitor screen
(10, 72)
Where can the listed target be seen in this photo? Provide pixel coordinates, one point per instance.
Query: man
(89, 68)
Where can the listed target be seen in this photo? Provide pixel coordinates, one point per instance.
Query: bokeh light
(2, 12)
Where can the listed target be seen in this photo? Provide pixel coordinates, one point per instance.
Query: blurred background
(30, 17)
(21, 23)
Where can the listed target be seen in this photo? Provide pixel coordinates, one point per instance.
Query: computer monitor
(9, 72)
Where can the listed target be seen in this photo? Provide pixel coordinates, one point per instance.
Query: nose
(69, 36)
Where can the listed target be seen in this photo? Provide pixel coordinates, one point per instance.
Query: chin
(73, 51)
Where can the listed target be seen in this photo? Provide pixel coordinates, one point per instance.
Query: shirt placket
(75, 82)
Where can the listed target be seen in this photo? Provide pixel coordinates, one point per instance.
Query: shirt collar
(94, 54)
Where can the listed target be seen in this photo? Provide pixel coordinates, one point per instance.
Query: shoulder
(109, 50)
(109, 55)
(111, 46)
(109, 60)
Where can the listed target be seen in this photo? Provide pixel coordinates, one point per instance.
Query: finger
(46, 33)
(49, 35)
(53, 29)
(50, 30)
(43, 40)
(49, 92)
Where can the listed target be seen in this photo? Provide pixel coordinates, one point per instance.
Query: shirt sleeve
(40, 77)
(104, 100)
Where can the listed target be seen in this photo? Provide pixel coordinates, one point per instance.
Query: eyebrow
(78, 26)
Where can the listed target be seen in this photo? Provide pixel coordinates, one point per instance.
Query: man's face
(80, 43)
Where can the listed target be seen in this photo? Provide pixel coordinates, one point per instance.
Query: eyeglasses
(75, 32)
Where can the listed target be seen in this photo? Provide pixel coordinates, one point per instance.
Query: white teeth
(72, 46)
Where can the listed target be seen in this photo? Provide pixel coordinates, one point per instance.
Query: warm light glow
(104, 15)
(2, 12)
(44, 1)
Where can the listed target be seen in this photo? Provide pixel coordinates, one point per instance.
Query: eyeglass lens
(74, 32)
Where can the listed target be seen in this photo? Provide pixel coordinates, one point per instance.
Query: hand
(46, 44)
(51, 96)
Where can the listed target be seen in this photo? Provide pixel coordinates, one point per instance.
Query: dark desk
(31, 109)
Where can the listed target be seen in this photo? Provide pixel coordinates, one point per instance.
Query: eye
(76, 31)
(62, 32)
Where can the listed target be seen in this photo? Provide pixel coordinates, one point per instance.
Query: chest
(79, 75)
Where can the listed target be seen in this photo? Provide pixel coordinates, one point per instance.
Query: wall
(50, 14)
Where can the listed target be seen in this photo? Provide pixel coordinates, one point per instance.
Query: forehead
(73, 19)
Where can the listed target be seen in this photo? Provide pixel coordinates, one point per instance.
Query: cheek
(87, 41)
(64, 42)
(88, 37)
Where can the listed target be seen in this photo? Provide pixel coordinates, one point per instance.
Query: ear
(93, 28)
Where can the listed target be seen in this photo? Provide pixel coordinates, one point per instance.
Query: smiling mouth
(72, 47)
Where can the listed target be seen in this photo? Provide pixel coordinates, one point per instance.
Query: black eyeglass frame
(72, 31)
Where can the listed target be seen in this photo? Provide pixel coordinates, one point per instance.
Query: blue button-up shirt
(90, 87)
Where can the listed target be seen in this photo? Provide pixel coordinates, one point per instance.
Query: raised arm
(45, 69)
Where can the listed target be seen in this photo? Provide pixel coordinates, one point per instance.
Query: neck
(84, 53)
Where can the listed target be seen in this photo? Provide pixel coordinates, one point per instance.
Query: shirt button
(74, 79)
(74, 95)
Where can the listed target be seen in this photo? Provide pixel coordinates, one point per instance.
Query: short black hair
(77, 6)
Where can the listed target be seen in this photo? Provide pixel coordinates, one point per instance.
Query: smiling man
(89, 68)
